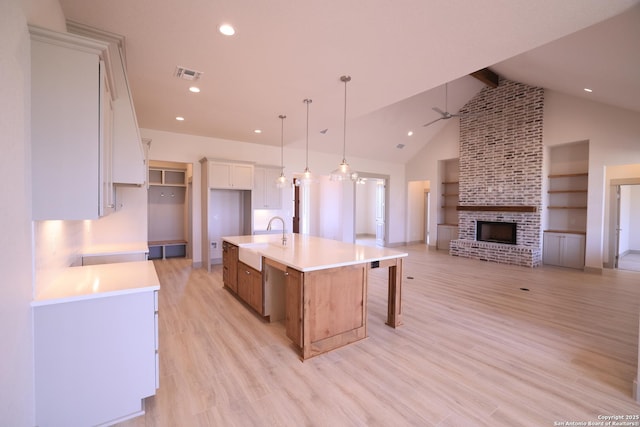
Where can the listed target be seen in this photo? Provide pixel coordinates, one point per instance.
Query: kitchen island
(324, 285)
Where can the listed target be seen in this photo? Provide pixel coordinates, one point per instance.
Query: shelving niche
(448, 217)
(168, 205)
(568, 179)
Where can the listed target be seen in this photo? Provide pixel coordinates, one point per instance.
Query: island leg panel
(293, 305)
(334, 308)
(394, 305)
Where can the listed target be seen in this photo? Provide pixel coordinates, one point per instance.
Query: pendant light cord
(345, 79)
(282, 117)
(307, 101)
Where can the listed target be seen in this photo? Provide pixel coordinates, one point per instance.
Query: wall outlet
(214, 245)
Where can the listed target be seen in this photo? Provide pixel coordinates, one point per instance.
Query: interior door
(616, 234)
(380, 209)
(426, 218)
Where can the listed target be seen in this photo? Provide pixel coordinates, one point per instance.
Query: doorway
(626, 227)
(371, 210)
(427, 196)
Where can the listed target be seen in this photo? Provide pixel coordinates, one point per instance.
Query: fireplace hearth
(496, 232)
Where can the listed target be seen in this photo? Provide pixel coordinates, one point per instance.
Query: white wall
(190, 149)
(424, 167)
(16, 290)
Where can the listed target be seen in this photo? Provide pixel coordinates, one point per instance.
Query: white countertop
(97, 281)
(115, 249)
(309, 253)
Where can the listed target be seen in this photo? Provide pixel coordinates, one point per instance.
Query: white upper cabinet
(236, 176)
(70, 124)
(129, 159)
(266, 194)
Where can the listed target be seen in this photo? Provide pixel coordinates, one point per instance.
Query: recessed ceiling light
(194, 89)
(227, 29)
(586, 89)
(400, 146)
(257, 131)
(180, 119)
(410, 133)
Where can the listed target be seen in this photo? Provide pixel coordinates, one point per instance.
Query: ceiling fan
(445, 115)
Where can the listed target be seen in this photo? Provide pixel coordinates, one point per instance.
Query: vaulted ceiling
(398, 53)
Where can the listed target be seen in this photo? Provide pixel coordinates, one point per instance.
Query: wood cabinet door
(244, 281)
(250, 286)
(256, 291)
(230, 266)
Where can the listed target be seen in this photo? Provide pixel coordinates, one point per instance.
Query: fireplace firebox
(496, 232)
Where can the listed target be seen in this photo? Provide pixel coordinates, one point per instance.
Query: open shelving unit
(167, 210)
(568, 181)
(450, 192)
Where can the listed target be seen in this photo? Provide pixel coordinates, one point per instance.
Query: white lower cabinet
(95, 359)
(446, 233)
(563, 249)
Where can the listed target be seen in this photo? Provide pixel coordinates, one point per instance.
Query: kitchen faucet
(284, 237)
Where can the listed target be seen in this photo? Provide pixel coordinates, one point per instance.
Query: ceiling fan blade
(432, 122)
(439, 111)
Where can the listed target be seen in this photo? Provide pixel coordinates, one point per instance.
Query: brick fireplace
(501, 172)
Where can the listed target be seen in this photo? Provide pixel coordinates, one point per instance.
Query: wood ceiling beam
(487, 77)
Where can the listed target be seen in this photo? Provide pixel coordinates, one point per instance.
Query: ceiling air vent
(187, 74)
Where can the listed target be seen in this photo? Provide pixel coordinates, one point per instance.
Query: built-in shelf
(568, 175)
(447, 229)
(566, 191)
(566, 207)
(498, 208)
(567, 231)
(167, 177)
(162, 249)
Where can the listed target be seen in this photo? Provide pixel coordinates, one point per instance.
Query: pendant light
(281, 181)
(307, 178)
(344, 172)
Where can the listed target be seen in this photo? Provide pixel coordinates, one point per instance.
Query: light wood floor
(475, 350)
(630, 261)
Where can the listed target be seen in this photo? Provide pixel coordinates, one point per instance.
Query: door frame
(614, 218)
(386, 179)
